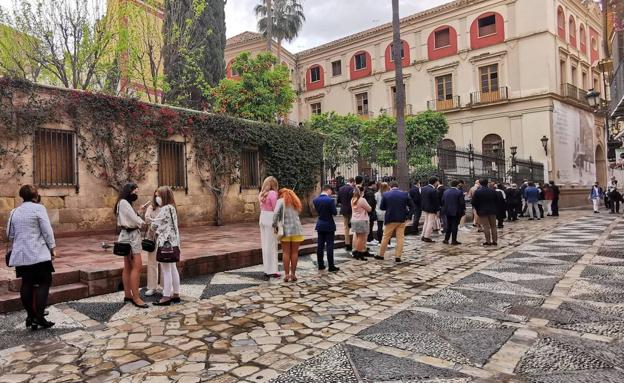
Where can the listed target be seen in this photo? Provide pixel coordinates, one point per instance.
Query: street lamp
(545, 144)
(593, 98)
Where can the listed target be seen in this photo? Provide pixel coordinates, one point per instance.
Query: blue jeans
(325, 240)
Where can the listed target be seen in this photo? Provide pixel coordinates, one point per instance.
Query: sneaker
(150, 292)
(372, 243)
(391, 246)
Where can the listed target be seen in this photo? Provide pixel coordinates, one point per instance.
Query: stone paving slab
(419, 318)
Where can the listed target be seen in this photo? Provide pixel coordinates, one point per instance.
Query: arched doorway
(601, 166)
(492, 145)
(447, 154)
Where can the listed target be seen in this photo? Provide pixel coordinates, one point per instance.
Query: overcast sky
(326, 20)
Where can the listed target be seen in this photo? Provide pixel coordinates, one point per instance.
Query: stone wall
(88, 207)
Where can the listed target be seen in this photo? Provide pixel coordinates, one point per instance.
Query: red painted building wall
(446, 51)
(406, 56)
(498, 37)
(356, 74)
(317, 84)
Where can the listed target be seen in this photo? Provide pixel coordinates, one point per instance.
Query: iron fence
(468, 164)
(529, 170)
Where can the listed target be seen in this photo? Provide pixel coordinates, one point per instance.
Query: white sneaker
(391, 246)
(150, 292)
(373, 243)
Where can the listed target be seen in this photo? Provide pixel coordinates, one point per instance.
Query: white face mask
(158, 201)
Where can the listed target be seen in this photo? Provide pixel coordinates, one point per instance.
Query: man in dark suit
(514, 202)
(431, 207)
(414, 194)
(345, 193)
(485, 202)
(398, 206)
(555, 202)
(326, 228)
(453, 207)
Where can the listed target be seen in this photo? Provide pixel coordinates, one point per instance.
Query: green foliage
(194, 33)
(118, 136)
(379, 141)
(67, 40)
(342, 138)
(287, 18)
(263, 92)
(375, 140)
(423, 133)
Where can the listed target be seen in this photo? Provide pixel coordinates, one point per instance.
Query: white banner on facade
(574, 147)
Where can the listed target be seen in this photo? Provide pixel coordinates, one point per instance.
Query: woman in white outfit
(130, 223)
(268, 199)
(152, 265)
(165, 226)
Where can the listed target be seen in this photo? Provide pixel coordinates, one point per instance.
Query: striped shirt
(30, 232)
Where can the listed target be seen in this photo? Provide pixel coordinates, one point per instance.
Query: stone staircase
(69, 285)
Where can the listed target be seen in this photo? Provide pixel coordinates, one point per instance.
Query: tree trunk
(269, 30)
(402, 169)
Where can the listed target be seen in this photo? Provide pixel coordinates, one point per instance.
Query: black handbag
(148, 245)
(168, 253)
(122, 249)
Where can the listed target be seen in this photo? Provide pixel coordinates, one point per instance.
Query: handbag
(147, 244)
(122, 249)
(9, 250)
(280, 226)
(168, 253)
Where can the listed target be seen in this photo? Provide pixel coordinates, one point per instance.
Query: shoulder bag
(122, 249)
(9, 249)
(168, 253)
(280, 225)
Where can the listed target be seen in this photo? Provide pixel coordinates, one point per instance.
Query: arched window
(572, 31)
(315, 77)
(486, 30)
(561, 24)
(492, 145)
(442, 42)
(582, 39)
(231, 72)
(361, 65)
(447, 155)
(405, 56)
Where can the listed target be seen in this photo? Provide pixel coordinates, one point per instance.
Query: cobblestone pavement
(545, 306)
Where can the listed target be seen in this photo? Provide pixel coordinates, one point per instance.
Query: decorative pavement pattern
(545, 306)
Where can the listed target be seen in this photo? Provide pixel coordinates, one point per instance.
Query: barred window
(250, 169)
(172, 164)
(55, 158)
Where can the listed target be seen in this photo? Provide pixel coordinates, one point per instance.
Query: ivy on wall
(117, 138)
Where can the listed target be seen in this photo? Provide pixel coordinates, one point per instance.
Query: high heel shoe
(143, 306)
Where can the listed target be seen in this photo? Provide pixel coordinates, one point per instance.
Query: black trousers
(34, 294)
(380, 231)
(325, 241)
(452, 224)
(615, 206)
(371, 234)
(416, 219)
(555, 207)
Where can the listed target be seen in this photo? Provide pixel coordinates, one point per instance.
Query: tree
(263, 91)
(288, 18)
(68, 39)
(402, 169)
(141, 44)
(379, 141)
(14, 62)
(341, 138)
(424, 132)
(194, 32)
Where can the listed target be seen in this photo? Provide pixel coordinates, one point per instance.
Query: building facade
(506, 73)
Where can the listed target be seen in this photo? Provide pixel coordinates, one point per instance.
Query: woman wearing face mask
(130, 223)
(153, 208)
(165, 225)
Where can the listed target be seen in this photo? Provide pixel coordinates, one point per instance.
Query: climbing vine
(117, 138)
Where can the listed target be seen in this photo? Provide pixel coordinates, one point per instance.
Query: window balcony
(616, 108)
(442, 105)
(365, 115)
(501, 94)
(572, 92)
(392, 111)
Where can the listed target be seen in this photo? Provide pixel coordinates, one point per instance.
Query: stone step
(58, 279)
(11, 301)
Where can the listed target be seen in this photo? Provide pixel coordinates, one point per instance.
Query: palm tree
(402, 169)
(288, 18)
